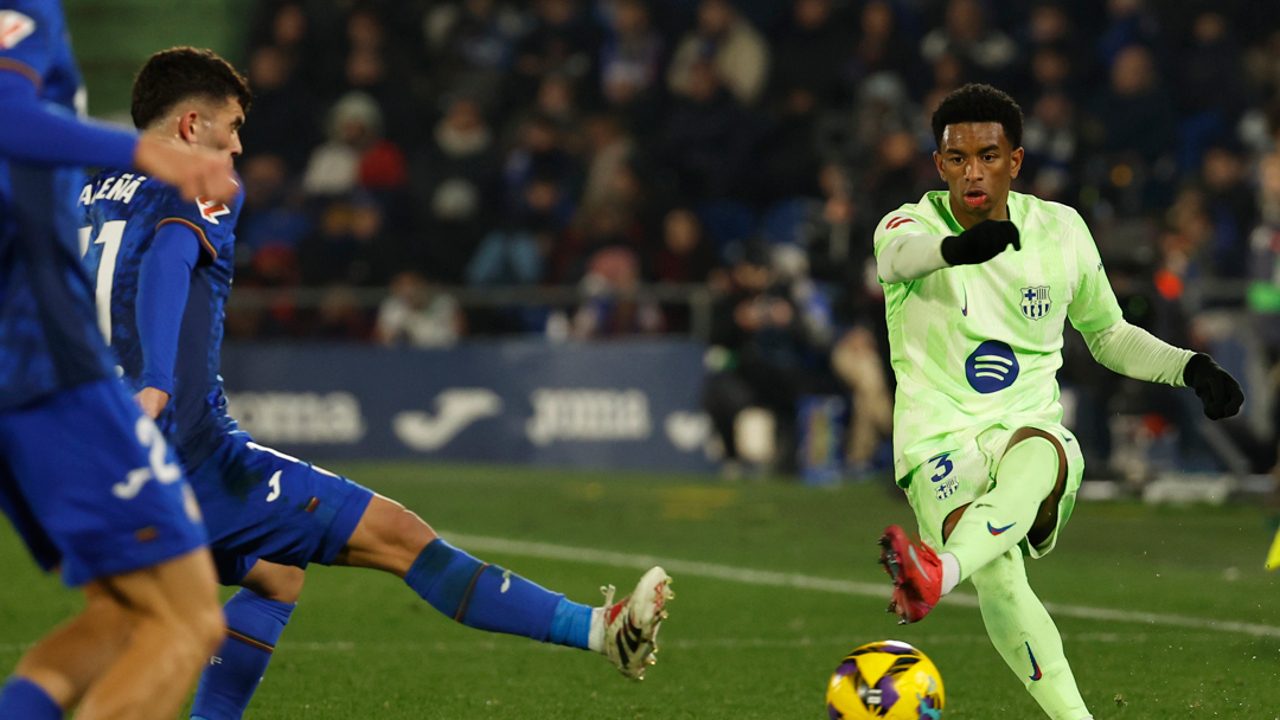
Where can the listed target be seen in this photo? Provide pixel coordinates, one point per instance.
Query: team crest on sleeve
(14, 28)
(211, 210)
(1035, 302)
(896, 222)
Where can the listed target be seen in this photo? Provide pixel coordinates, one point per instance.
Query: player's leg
(92, 487)
(256, 617)
(1031, 479)
(1026, 637)
(176, 624)
(392, 538)
(55, 672)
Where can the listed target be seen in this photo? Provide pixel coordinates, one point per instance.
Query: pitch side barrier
(630, 404)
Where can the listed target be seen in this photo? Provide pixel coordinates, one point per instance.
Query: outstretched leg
(392, 538)
(1025, 636)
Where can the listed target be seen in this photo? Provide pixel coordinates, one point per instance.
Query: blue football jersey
(123, 211)
(48, 339)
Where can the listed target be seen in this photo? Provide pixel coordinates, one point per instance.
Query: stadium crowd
(748, 145)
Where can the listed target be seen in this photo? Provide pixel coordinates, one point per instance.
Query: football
(886, 680)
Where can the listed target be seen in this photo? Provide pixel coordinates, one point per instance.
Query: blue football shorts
(259, 503)
(90, 484)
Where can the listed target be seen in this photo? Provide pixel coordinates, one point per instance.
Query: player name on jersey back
(112, 187)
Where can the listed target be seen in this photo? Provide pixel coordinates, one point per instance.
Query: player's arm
(905, 251)
(164, 281)
(33, 133)
(1134, 352)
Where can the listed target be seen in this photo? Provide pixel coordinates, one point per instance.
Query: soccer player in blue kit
(163, 268)
(85, 478)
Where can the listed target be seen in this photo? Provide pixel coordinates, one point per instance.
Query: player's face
(978, 164)
(220, 127)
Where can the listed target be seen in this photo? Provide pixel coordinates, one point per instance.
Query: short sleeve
(1094, 305)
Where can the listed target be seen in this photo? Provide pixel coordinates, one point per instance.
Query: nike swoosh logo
(999, 531)
(1035, 666)
(506, 581)
(964, 309)
(911, 550)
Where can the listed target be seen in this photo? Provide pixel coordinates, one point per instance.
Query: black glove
(980, 243)
(1220, 393)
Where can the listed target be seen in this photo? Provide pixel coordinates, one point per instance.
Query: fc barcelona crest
(1035, 302)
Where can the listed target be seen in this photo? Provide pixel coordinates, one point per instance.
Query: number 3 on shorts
(943, 487)
(942, 463)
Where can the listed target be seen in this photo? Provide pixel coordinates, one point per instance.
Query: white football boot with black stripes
(631, 625)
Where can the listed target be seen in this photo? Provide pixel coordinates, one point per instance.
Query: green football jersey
(976, 345)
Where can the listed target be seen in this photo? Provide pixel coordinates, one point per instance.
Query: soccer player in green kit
(978, 282)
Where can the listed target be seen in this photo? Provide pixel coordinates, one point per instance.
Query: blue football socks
(22, 699)
(487, 597)
(254, 624)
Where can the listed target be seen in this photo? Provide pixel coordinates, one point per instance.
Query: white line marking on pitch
(751, 576)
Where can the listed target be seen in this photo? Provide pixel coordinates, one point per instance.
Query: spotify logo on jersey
(992, 367)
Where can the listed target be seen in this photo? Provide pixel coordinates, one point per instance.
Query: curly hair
(979, 103)
(173, 75)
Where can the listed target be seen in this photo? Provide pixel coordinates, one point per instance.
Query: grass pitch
(1166, 612)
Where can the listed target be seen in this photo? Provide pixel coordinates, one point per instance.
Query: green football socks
(1025, 636)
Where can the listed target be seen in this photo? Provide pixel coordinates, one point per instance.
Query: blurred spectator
(609, 150)
(339, 316)
(613, 308)
(685, 256)
(967, 35)
(284, 111)
(560, 43)
(473, 43)
(1131, 128)
(350, 245)
(1050, 138)
(631, 59)
(516, 253)
(708, 137)
(418, 315)
(375, 67)
(1231, 207)
(455, 182)
(1128, 23)
(763, 342)
(273, 212)
(1210, 83)
(539, 153)
(882, 47)
(355, 153)
(857, 363)
(729, 43)
(811, 56)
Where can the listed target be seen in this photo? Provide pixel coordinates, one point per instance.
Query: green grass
(363, 645)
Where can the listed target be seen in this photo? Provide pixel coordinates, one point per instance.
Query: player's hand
(1220, 393)
(194, 171)
(152, 401)
(980, 243)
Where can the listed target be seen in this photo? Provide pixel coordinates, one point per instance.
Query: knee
(206, 628)
(281, 583)
(406, 531)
